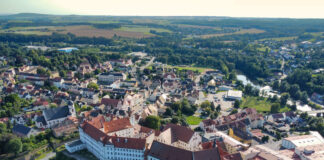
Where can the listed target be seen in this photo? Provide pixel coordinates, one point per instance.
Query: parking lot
(218, 98)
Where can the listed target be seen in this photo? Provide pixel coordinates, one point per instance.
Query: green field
(141, 29)
(263, 49)
(192, 120)
(259, 105)
(199, 69)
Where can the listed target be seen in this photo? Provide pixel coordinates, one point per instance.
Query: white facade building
(111, 147)
(111, 77)
(302, 141)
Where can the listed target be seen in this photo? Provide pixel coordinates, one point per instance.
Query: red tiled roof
(98, 121)
(110, 102)
(235, 156)
(179, 132)
(166, 152)
(117, 125)
(132, 143)
(120, 142)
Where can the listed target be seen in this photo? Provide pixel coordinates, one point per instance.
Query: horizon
(296, 9)
(13, 14)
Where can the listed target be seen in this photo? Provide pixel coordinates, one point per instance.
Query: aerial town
(102, 86)
(130, 110)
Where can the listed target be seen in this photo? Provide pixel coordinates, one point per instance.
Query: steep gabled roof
(57, 113)
(120, 142)
(117, 125)
(21, 129)
(110, 102)
(166, 152)
(179, 132)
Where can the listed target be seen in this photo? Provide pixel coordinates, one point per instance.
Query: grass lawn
(43, 155)
(199, 69)
(285, 109)
(263, 49)
(259, 105)
(192, 120)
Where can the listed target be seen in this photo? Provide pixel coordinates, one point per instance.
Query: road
(148, 64)
(282, 69)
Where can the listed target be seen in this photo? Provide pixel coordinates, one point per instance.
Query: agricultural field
(280, 38)
(141, 29)
(86, 31)
(241, 31)
(42, 30)
(89, 31)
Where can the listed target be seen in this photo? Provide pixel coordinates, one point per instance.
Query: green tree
(153, 122)
(276, 85)
(3, 128)
(284, 98)
(205, 104)
(265, 139)
(234, 111)
(304, 116)
(14, 146)
(237, 104)
(218, 108)
(176, 106)
(63, 73)
(93, 85)
(43, 72)
(248, 89)
(175, 120)
(168, 112)
(275, 108)
(232, 76)
(304, 97)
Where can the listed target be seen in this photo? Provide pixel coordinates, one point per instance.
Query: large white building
(111, 147)
(111, 77)
(117, 139)
(302, 141)
(234, 95)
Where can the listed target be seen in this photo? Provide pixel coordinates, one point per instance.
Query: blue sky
(233, 8)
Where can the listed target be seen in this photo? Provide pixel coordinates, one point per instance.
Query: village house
(84, 68)
(22, 131)
(66, 127)
(180, 136)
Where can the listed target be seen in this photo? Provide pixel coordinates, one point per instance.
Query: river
(246, 81)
